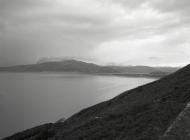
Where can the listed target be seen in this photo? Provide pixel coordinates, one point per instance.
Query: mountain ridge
(62, 66)
(72, 65)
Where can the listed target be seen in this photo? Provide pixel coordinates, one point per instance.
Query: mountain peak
(60, 59)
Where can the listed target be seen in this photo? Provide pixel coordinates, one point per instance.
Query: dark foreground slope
(143, 113)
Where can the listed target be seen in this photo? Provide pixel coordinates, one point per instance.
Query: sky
(119, 32)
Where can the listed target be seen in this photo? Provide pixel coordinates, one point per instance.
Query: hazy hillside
(143, 113)
(143, 69)
(84, 67)
(134, 69)
(61, 66)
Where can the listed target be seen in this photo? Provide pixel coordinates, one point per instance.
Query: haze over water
(31, 99)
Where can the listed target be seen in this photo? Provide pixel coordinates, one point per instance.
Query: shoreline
(98, 74)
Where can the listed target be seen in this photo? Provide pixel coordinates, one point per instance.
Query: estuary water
(31, 99)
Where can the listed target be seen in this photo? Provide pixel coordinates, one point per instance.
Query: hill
(143, 69)
(159, 73)
(143, 113)
(134, 69)
(71, 65)
(60, 66)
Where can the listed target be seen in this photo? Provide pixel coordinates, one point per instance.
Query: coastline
(98, 74)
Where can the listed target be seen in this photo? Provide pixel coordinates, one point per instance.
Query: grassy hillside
(143, 113)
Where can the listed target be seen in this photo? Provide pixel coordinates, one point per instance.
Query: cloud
(159, 50)
(43, 28)
(171, 5)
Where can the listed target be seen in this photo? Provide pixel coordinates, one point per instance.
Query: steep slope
(180, 128)
(143, 113)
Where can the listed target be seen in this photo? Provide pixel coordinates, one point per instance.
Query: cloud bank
(127, 32)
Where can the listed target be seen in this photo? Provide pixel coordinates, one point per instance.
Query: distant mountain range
(61, 66)
(72, 65)
(155, 111)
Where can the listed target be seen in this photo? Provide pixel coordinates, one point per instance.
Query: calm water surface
(31, 99)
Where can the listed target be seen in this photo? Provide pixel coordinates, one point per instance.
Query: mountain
(59, 59)
(143, 69)
(134, 69)
(61, 66)
(144, 113)
(159, 73)
(71, 65)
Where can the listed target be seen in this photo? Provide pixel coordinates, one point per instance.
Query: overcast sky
(127, 32)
